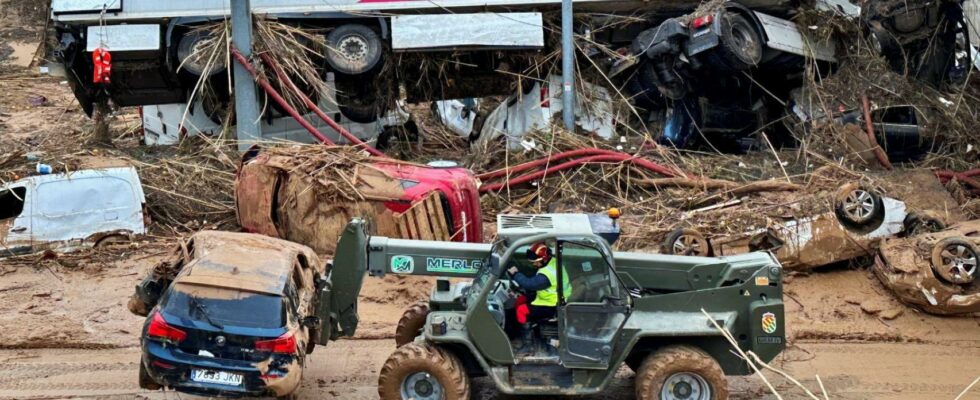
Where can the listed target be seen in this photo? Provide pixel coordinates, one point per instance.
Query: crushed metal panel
(255, 199)
(451, 31)
(85, 6)
(124, 37)
(784, 35)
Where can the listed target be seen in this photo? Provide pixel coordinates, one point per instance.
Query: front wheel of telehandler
(681, 372)
(423, 372)
(411, 323)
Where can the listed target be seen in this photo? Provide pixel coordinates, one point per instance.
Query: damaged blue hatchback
(230, 315)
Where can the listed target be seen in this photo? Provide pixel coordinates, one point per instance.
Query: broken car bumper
(172, 368)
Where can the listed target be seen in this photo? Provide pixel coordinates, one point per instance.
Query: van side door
(16, 236)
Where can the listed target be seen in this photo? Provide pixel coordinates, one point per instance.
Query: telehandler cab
(643, 310)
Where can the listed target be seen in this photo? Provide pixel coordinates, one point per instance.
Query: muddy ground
(65, 331)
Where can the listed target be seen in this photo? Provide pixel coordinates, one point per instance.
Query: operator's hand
(512, 271)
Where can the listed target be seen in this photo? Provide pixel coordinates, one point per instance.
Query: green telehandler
(644, 310)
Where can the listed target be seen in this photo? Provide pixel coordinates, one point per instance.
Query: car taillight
(161, 330)
(702, 21)
(545, 96)
(285, 344)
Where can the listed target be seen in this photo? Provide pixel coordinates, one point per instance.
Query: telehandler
(644, 310)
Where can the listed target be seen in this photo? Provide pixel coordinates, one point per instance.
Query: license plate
(218, 377)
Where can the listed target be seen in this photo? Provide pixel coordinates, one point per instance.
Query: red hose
(545, 160)
(278, 99)
(315, 108)
(619, 157)
(965, 177)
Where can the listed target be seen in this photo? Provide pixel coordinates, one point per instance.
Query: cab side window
(12, 202)
(588, 273)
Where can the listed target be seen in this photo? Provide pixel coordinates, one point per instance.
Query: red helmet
(539, 251)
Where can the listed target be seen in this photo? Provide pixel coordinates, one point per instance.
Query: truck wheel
(955, 260)
(858, 206)
(687, 242)
(145, 381)
(681, 372)
(740, 44)
(423, 372)
(411, 323)
(353, 49)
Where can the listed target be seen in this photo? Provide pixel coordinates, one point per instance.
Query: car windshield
(219, 306)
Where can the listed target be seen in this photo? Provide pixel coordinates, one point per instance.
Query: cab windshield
(487, 272)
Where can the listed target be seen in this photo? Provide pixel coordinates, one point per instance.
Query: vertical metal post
(246, 101)
(568, 65)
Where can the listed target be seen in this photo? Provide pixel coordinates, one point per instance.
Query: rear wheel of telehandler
(423, 372)
(681, 372)
(411, 323)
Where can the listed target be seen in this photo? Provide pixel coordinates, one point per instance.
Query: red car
(297, 199)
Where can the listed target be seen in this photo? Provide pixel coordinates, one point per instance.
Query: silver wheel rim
(422, 386)
(354, 48)
(859, 205)
(685, 386)
(687, 244)
(960, 262)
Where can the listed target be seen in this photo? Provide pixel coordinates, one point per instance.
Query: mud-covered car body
(233, 314)
(67, 211)
(402, 200)
(935, 271)
(810, 242)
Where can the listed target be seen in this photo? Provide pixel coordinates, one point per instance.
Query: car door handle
(19, 230)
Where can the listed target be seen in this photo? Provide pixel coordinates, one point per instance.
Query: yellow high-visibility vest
(549, 297)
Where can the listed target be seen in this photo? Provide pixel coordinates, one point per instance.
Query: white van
(64, 212)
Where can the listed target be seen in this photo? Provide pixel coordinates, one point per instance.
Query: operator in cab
(542, 288)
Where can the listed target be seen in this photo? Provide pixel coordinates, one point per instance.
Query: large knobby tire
(955, 260)
(681, 370)
(687, 242)
(419, 370)
(411, 323)
(353, 49)
(740, 45)
(858, 206)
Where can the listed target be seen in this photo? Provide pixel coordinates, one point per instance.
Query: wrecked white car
(935, 271)
(64, 212)
(538, 105)
(860, 219)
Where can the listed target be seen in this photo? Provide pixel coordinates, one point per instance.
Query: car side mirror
(311, 322)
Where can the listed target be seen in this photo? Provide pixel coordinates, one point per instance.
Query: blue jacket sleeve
(534, 283)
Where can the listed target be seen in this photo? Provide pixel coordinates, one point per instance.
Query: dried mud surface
(66, 333)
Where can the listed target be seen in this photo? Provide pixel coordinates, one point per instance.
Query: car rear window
(225, 307)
